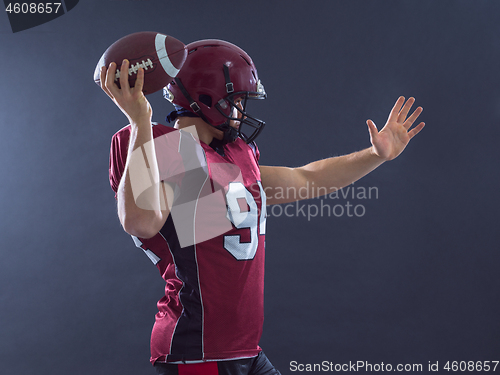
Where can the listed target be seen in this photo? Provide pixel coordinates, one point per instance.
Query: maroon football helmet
(215, 75)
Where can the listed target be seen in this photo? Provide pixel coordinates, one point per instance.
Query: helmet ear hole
(205, 99)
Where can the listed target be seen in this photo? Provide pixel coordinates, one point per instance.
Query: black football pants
(259, 365)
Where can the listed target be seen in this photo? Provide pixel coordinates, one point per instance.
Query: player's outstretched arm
(142, 216)
(328, 175)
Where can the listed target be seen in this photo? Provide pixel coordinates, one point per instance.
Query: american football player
(201, 214)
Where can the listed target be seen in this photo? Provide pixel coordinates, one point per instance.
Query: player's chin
(234, 124)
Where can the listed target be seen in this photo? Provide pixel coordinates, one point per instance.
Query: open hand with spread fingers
(389, 142)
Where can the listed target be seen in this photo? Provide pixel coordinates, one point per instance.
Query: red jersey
(213, 303)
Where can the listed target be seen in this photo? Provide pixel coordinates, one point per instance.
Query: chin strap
(179, 112)
(227, 78)
(230, 134)
(192, 104)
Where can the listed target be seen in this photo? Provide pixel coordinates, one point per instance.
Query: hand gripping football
(161, 56)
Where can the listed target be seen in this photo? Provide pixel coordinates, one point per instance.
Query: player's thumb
(372, 128)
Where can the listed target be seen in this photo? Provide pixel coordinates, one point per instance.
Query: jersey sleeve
(118, 157)
(170, 163)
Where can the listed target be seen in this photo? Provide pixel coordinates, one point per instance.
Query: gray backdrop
(412, 279)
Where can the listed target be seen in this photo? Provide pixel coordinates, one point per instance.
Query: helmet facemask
(249, 126)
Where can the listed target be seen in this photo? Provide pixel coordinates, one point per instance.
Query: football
(161, 56)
